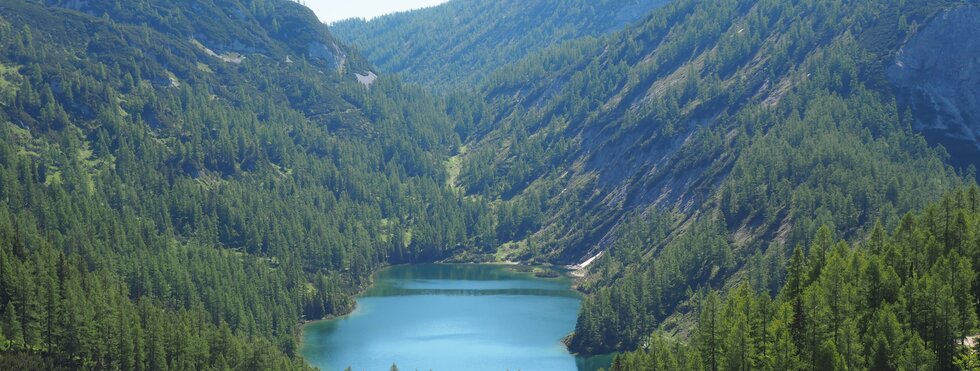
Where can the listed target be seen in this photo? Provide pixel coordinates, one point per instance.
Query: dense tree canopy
(903, 300)
(165, 205)
(458, 44)
(183, 182)
(742, 126)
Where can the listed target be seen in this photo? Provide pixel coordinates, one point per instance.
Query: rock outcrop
(937, 74)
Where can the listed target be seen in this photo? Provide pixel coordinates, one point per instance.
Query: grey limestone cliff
(937, 73)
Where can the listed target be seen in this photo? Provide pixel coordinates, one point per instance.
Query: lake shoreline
(544, 272)
(303, 322)
(507, 263)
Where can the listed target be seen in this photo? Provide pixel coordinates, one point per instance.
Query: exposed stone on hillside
(938, 74)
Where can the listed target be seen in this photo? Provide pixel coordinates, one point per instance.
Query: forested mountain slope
(898, 301)
(181, 182)
(461, 42)
(700, 146)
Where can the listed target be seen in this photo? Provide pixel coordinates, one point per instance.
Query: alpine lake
(449, 317)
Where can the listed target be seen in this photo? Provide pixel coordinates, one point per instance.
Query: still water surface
(447, 317)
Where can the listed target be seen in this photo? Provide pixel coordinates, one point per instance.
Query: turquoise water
(453, 317)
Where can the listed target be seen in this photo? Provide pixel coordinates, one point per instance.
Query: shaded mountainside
(699, 147)
(261, 28)
(459, 43)
(937, 74)
(181, 183)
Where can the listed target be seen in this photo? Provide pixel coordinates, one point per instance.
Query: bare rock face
(331, 54)
(937, 73)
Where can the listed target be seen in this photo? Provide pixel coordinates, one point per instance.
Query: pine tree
(793, 293)
(709, 332)
(12, 326)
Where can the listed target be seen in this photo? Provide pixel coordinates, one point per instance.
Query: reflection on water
(453, 317)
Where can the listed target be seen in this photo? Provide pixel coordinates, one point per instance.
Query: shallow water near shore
(453, 317)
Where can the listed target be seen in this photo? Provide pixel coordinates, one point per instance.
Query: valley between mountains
(766, 184)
